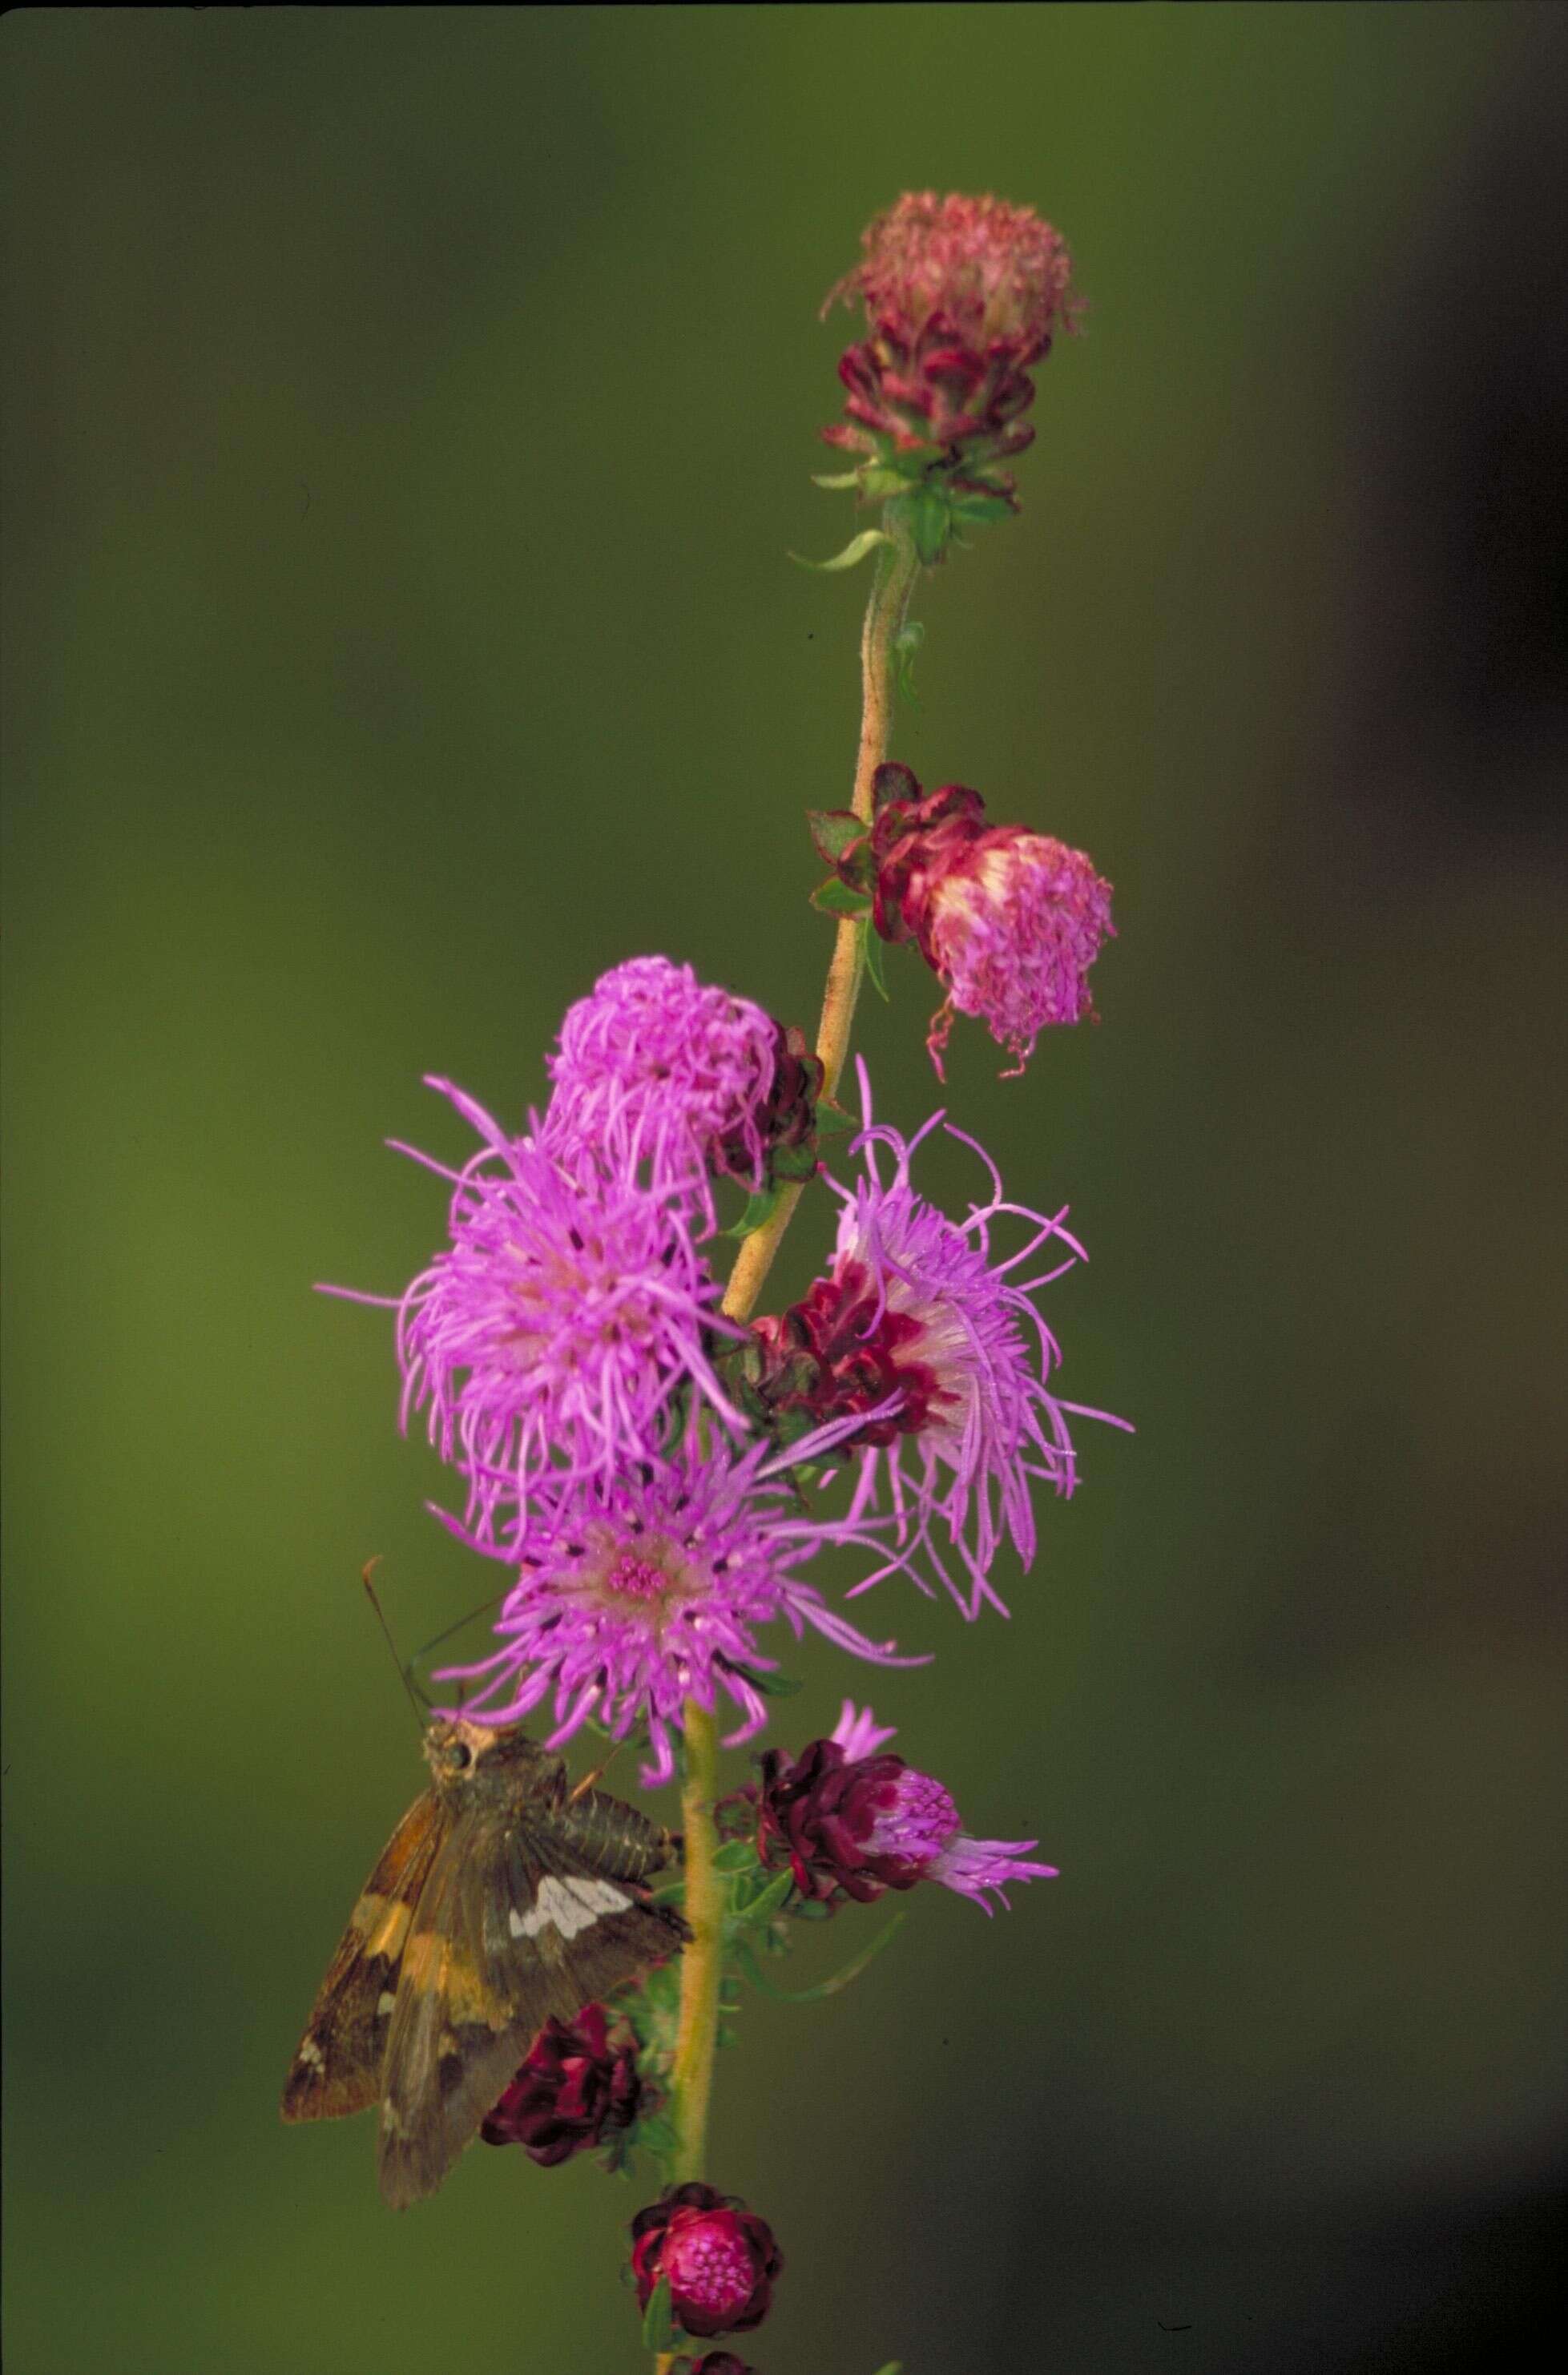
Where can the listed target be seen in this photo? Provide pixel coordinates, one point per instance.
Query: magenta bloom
(1012, 932)
(665, 1076)
(719, 2258)
(573, 2090)
(850, 1821)
(924, 1308)
(549, 1341)
(655, 1585)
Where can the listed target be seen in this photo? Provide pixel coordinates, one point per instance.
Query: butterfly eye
(461, 1756)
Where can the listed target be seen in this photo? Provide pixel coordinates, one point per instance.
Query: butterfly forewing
(337, 2067)
(512, 1927)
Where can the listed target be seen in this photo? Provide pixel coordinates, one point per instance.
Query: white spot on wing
(384, 2003)
(567, 1905)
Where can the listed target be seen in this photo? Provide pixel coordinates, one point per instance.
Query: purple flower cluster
(638, 1461)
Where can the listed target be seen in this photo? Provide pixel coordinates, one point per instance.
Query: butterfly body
(497, 1901)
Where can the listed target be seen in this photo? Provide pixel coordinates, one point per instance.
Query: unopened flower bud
(719, 2259)
(961, 294)
(574, 2089)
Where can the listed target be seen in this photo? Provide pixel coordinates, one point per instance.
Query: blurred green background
(409, 415)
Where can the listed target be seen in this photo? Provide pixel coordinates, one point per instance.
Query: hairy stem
(897, 568)
(702, 1964)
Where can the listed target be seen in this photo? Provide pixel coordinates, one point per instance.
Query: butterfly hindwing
(336, 2069)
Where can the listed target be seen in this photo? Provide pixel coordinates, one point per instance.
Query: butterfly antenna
(447, 1631)
(421, 1713)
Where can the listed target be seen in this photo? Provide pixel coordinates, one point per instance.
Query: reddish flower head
(574, 2089)
(850, 1821)
(720, 2259)
(1009, 921)
(961, 295)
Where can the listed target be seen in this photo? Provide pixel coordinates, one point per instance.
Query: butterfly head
(474, 1756)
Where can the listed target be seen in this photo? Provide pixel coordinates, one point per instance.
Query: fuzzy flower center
(708, 2265)
(649, 1579)
(918, 1824)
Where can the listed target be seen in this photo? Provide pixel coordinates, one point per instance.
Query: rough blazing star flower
(720, 2259)
(851, 1822)
(547, 1341)
(1009, 920)
(665, 1076)
(574, 2089)
(921, 1308)
(653, 1586)
(961, 295)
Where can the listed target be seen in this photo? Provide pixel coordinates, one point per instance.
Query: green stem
(898, 566)
(702, 1964)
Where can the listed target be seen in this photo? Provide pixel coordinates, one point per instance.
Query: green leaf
(835, 831)
(874, 960)
(834, 479)
(979, 510)
(839, 1981)
(854, 551)
(738, 1855)
(658, 2326)
(836, 898)
(931, 523)
(831, 1119)
(760, 1208)
(893, 2367)
(906, 644)
(763, 1907)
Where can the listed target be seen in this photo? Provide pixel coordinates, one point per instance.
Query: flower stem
(702, 1964)
(897, 565)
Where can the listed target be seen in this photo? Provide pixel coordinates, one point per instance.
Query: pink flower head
(654, 1584)
(1012, 930)
(665, 1076)
(961, 295)
(851, 1822)
(549, 1341)
(1009, 921)
(934, 1336)
(719, 2259)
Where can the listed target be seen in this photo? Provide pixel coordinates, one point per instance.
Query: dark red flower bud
(716, 2362)
(820, 1812)
(961, 295)
(573, 2090)
(843, 1349)
(783, 1125)
(720, 2259)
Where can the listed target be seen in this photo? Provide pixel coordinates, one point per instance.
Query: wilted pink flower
(961, 295)
(1011, 921)
(574, 2089)
(655, 1585)
(549, 1341)
(924, 1309)
(719, 2258)
(852, 1824)
(664, 1076)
